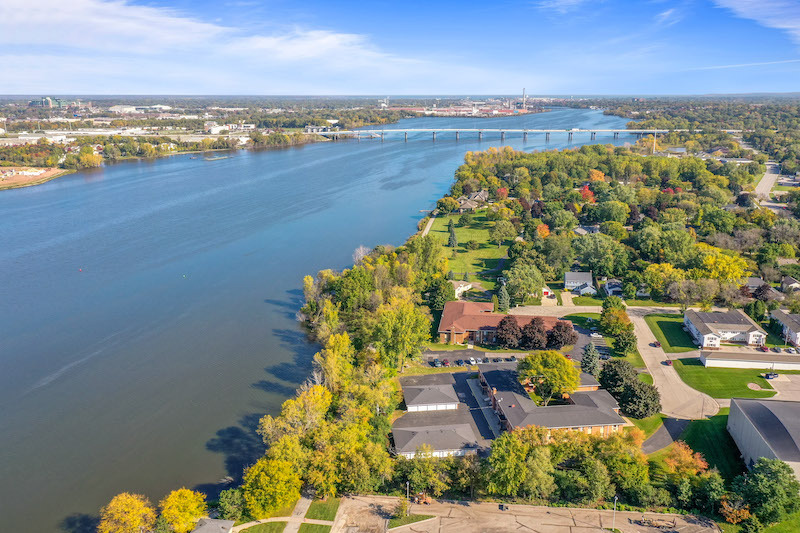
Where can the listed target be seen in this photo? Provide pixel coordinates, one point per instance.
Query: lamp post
(407, 487)
(614, 516)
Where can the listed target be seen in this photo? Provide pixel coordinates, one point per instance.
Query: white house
(790, 324)
(460, 287)
(573, 280)
(547, 292)
(585, 289)
(789, 284)
(613, 287)
(710, 330)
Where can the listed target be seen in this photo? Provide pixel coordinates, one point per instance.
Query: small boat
(217, 158)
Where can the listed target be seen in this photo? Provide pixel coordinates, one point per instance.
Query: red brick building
(475, 322)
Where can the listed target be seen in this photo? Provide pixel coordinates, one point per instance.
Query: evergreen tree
(495, 303)
(450, 226)
(453, 242)
(466, 276)
(451, 275)
(591, 360)
(503, 299)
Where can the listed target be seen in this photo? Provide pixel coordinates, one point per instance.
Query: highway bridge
(502, 132)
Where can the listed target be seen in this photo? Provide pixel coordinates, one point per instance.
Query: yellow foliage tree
(683, 461)
(269, 485)
(182, 509)
(596, 175)
(543, 230)
(127, 513)
(720, 266)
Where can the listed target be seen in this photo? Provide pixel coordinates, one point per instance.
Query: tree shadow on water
(79, 523)
(241, 445)
(289, 306)
(299, 368)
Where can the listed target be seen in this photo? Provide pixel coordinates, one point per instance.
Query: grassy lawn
(772, 339)
(484, 258)
(668, 329)
(269, 527)
(586, 300)
(314, 528)
(647, 378)
(417, 368)
(410, 519)
(721, 382)
(650, 424)
(323, 510)
(710, 437)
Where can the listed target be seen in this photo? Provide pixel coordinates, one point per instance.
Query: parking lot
(788, 387)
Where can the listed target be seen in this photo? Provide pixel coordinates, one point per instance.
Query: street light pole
(407, 495)
(614, 516)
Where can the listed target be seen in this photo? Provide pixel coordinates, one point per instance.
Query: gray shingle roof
(578, 277)
(429, 394)
(592, 408)
(789, 320)
(778, 422)
(712, 323)
(439, 437)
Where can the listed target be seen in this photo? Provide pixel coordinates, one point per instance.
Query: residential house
(752, 284)
(573, 280)
(477, 322)
(460, 287)
(789, 284)
(613, 287)
(465, 204)
(481, 196)
(790, 325)
(586, 230)
(766, 428)
(710, 330)
(592, 410)
(211, 525)
(547, 292)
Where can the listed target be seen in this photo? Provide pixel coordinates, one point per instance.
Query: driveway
(678, 400)
(788, 387)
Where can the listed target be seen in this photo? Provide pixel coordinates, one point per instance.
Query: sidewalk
(292, 522)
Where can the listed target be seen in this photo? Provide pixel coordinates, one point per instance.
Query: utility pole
(614, 516)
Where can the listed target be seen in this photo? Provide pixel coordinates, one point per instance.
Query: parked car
(459, 362)
(668, 362)
(596, 336)
(605, 356)
(791, 350)
(763, 348)
(776, 349)
(657, 344)
(513, 358)
(497, 360)
(437, 363)
(472, 361)
(771, 375)
(446, 362)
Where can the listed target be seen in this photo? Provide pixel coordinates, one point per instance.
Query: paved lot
(788, 387)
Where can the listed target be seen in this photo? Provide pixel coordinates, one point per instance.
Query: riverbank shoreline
(39, 181)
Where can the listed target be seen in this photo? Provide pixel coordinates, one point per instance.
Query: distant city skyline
(565, 47)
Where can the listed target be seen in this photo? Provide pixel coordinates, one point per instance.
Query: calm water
(147, 309)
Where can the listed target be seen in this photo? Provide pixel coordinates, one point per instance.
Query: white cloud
(668, 17)
(745, 65)
(561, 6)
(779, 14)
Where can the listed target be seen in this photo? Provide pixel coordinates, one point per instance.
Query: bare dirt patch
(14, 177)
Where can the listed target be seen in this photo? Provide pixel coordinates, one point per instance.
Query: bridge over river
(457, 132)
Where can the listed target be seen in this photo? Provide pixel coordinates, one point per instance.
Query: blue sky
(392, 47)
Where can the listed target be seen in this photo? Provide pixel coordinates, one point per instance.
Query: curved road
(678, 400)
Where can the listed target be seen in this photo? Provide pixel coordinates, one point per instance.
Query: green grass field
(487, 255)
(650, 424)
(269, 527)
(638, 302)
(668, 329)
(323, 510)
(586, 300)
(790, 525)
(710, 437)
(722, 382)
(314, 528)
(410, 519)
(647, 378)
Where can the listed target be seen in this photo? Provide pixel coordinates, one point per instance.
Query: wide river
(147, 309)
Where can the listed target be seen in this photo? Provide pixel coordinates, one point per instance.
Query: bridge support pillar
(569, 137)
(480, 135)
(456, 135)
(594, 135)
(547, 137)
(616, 135)
(381, 136)
(434, 135)
(524, 135)
(406, 136)
(502, 136)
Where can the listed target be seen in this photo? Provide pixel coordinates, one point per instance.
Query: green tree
(640, 399)
(550, 373)
(465, 220)
(602, 254)
(591, 360)
(625, 342)
(400, 330)
(756, 310)
(523, 281)
(231, 504)
(269, 485)
(771, 489)
(616, 375)
(507, 464)
(182, 509)
(613, 302)
(441, 293)
(502, 231)
(504, 300)
(495, 303)
(428, 474)
(538, 482)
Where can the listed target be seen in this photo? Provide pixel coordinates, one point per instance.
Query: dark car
(459, 362)
(446, 362)
(657, 344)
(763, 348)
(605, 356)
(497, 360)
(437, 363)
(771, 375)
(513, 358)
(776, 350)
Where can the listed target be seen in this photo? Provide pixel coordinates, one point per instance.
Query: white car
(790, 350)
(596, 336)
(472, 361)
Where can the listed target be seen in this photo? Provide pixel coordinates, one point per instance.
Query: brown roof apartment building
(476, 322)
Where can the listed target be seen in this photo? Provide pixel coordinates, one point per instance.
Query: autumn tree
(550, 373)
(127, 513)
(562, 334)
(534, 335)
(683, 461)
(508, 332)
(182, 509)
(400, 330)
(448, 204)
(502, 231)
(269, 485)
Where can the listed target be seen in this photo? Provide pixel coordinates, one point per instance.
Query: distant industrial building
(766, 428)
